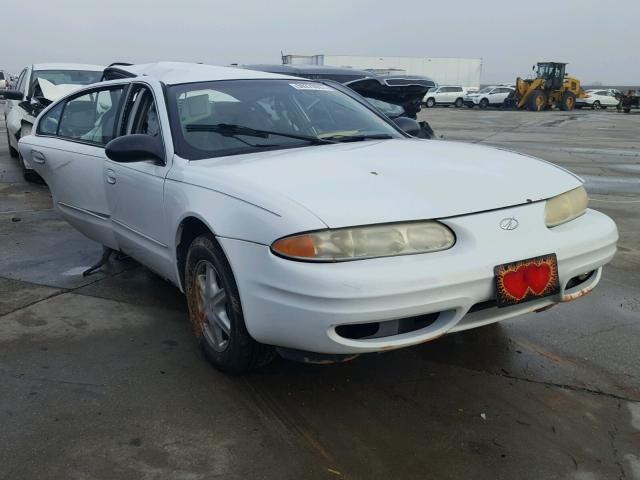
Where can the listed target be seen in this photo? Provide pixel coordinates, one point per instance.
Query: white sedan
(493, 96)
(597, 99)
(295, 216)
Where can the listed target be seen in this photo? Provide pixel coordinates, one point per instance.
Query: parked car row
(296, 217)
(458, 96)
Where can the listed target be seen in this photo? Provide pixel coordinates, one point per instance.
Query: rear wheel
(458, 103)
(537, 101)
(430, 102)
(596, 105)
(12, 151)
(568, 101)
(215, 310)
(29, 175)
(484, 103)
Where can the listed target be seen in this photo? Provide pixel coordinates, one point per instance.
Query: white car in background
(295, 215)
(445, 95)
(597, 99)
(493, 96)
(5, 80)
(37, 86)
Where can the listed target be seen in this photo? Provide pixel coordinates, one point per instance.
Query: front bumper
(299, 305)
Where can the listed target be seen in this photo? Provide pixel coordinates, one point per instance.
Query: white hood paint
(383, 181)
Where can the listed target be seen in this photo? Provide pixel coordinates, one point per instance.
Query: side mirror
(135, 148)
(12, 94)
(408, 125)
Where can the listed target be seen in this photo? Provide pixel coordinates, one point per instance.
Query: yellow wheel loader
(550, 88)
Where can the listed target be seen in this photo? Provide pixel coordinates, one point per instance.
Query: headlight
(565, 207)
(366, 242)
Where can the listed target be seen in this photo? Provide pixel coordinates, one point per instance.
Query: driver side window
(90, 117)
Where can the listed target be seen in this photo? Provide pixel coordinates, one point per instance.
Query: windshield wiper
(358, 138)
(230, 130)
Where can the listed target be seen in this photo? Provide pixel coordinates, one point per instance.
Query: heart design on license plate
(526, 280)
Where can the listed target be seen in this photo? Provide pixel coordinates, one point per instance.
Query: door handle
(38, 157)
(111, 176)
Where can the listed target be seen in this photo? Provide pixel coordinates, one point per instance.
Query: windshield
(212, 119)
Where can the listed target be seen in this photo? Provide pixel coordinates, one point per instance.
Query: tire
(458, 103)
(430, 102)
(568, 101)
(484, 103)
(596, 105)
(12, 151)
(29, 175)
(537, 101)
(220, 331)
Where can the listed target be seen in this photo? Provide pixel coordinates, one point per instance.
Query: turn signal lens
(564, 208)
(366, 242)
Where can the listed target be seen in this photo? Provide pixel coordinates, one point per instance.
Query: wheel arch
(189, 228)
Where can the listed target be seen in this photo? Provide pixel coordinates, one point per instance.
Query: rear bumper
(299, 305)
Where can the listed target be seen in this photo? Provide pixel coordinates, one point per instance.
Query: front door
(135, 190)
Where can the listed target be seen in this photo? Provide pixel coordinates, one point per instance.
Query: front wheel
(596, 105)
(458, 103)
(484, 103)
(537, 101)
(430, 102)
(215, 310)
(568, 101)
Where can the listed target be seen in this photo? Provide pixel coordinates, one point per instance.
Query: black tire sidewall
(458, 103)
(239, 356)
(430, 103)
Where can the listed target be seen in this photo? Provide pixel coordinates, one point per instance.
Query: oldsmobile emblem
(509, 223)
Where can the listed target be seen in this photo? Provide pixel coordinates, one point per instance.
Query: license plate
(526, 280)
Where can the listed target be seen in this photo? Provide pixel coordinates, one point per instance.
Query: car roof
(173, 73)
(68, 66)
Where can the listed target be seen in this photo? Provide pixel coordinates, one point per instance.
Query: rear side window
(1, 75)
(48, 124)
(91, 117)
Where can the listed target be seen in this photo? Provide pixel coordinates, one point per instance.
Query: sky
(600, 41)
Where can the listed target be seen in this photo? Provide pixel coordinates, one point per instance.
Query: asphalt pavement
(100, 377)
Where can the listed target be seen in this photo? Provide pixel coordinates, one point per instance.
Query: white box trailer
(445, 71)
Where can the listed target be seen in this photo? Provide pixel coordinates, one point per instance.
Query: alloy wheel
(212, 306)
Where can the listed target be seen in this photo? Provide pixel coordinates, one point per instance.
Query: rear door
(68, 152)
(135, 190)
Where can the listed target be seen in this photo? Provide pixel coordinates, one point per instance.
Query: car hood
(383, 181)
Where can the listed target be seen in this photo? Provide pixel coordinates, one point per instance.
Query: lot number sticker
(311, 86)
